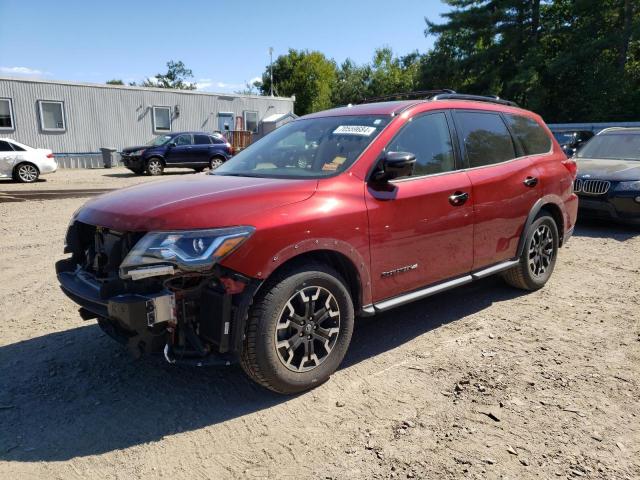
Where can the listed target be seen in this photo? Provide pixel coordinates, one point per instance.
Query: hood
(197, 201)
(133, 149)
(607, 169)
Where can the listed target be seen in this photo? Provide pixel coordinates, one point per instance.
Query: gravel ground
(481, 382)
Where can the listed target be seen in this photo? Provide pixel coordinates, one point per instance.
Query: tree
(308, 75)
(114, 81)
(177, 77)
(570, 60)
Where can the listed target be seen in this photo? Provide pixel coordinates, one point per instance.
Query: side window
(486, 138)
(6, 114)
(218, 140)
(51, 116)
(201, 139)
(5, 147)
(531, 135)
(182, 140)
(162, 119)
(428, 138)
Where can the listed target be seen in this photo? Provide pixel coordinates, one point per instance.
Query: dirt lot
(481, 382)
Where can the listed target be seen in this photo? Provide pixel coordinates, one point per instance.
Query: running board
(432, 290)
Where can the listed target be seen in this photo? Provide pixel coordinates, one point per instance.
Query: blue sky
(224, 43)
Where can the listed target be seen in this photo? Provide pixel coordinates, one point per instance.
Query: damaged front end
(160, 292)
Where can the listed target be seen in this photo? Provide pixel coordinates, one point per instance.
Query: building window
(251, 121)
(162, 119)
(6, 114)
(52, 116)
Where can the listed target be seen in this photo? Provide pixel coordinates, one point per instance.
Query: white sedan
(23, 163)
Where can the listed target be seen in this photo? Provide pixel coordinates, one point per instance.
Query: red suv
(342, 213)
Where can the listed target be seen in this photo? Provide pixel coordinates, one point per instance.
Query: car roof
(395, 107)
(174, 134)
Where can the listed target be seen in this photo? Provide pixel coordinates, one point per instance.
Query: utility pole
(271, 69)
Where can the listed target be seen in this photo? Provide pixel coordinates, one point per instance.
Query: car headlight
(138, 152)
(628, 186)
(159, 253)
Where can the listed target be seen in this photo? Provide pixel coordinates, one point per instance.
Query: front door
(225, 122)
(504, 187)
(182, 152)
(419, 234)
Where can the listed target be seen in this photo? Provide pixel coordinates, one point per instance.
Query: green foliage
(177, 77)
(114, 81)
(569, 60)
(308, 75)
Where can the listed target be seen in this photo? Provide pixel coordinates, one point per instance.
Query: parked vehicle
(347, 212)
(23, 163)
(197, 150)
(572, 140)
(608, 181)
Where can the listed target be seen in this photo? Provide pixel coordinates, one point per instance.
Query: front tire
(26, 173)
(155, 166)
(538, 257)
(298, 330)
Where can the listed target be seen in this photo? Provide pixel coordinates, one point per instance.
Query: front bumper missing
(149, 322)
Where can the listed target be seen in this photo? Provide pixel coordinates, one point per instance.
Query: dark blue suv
(197, 150)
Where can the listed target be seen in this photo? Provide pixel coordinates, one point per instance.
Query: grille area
(591, 187)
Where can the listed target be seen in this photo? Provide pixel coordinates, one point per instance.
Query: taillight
(50, 155)
(571, 165)
(230, 149)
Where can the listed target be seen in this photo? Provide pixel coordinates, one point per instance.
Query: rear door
(419, 234)
(182, 153)
(7, 159)
(201, 148)
(504, 187)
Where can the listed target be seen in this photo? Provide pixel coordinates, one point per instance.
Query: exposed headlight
(628, 186)
(138, 152)
(186, 250)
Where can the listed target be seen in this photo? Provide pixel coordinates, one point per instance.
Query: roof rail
(417, 95)
(475, 98)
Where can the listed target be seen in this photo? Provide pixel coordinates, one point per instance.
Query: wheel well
(342, 264)
(555, 212)
(28, 163)
(217, 155)
(155, 156)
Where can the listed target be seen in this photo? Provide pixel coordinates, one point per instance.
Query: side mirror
(171, 144)
(395, 165)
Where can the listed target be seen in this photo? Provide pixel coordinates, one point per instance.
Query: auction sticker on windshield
(354, 130)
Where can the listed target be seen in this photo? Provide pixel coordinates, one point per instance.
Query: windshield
(614, 145)
(159, 140)
(312, 148)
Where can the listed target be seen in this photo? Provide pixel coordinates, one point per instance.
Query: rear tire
(155, 166)
(538, 257)
(26, 173)
(215, 162)
(298, 330)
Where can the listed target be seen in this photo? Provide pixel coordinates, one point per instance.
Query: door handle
(458, 198)
(530, 181)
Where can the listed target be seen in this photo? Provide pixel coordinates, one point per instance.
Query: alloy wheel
(155, 167)
(541, 250)
(215, 163)
(27, 173)
(307, 329)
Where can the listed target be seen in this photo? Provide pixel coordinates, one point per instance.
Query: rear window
(530, 133)
(202, 139)
(486, 138)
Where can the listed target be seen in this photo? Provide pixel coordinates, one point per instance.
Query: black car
(572, 140)
(608, 181)
(197, 150)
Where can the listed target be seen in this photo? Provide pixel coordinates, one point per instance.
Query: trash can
(107, 156)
